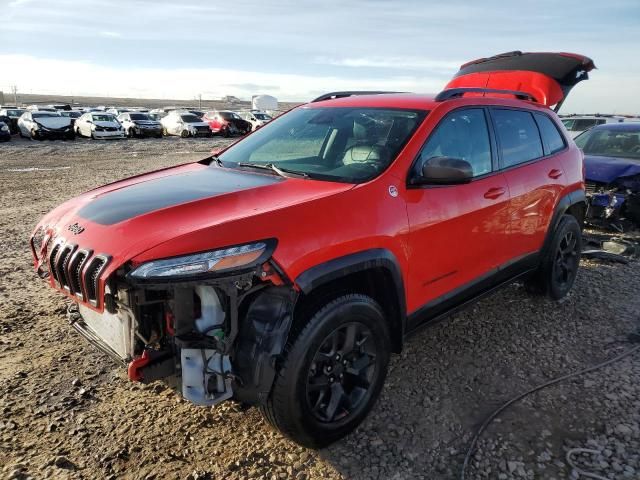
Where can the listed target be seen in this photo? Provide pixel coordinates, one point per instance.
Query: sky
(298, 49)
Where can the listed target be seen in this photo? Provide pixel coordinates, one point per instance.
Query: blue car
(612, 172)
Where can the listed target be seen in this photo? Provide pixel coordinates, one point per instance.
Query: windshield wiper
(217, 161)
(283, 172)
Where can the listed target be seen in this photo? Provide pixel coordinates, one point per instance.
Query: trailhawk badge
(75, 228)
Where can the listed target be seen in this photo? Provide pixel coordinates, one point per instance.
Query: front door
(457, 232)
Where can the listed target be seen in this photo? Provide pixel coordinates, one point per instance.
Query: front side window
(518, 136)
(550, 134)
(352, 144)
(464, 135)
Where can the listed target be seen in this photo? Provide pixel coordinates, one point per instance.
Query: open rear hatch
(547, 77)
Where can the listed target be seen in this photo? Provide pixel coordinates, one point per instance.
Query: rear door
(533, 171)
(458, 233)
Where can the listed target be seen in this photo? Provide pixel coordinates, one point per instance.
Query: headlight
(4, 128)
(203, 263)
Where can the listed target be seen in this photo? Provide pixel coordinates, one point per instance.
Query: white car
(576, 124)
(98, 125)
(138, 124)
(256, 118)
(39, 124)
(185, 124)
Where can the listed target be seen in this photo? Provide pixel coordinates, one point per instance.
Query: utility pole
(14, 89)
(199, 101)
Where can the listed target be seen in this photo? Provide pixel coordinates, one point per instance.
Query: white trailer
(265, 103)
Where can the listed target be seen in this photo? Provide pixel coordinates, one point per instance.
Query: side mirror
(444, 171)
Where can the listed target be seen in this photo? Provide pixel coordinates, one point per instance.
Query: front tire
(332, 372)
(559, 266)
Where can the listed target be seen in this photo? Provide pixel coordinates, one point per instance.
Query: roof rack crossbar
(459, 92)
(334, 95)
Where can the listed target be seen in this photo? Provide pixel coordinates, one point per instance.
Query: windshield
(139, 116)
(14, 113)
(610, 142)
(262, 116)
(229, 115)
(103, 118)
(44, 114)
(190, 119)
(339, 144)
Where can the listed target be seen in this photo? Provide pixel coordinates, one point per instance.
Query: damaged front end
(212, 325)
(615, 204)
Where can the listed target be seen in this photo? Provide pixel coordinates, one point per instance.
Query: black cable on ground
(495, 413)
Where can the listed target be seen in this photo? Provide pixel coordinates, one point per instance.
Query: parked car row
(47, 122)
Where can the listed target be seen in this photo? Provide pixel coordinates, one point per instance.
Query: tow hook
(136, 365)
(151, 366)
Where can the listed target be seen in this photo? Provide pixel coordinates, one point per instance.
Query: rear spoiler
(545, 76)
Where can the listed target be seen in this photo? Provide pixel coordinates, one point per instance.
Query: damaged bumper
(614, 204)
(212, 339)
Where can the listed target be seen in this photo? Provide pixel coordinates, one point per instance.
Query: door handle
(494, 193)
(555, 173)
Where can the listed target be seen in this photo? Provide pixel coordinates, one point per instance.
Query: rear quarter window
(551, 137)
(518, 136)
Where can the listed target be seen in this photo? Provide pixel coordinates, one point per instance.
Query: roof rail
(334, 95)
(459, 92)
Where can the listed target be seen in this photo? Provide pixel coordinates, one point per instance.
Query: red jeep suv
(283, 272)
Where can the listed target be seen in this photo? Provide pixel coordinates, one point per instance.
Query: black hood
(131, 201)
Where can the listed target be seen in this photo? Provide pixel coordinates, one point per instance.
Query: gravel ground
(68, 412)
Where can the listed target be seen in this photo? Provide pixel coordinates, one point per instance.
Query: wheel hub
(341, 372)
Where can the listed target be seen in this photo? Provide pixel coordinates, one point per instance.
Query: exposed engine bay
(614, 205)
(190, 335)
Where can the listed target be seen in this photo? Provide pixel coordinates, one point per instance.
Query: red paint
(442, 237)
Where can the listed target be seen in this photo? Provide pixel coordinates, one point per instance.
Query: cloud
(18, 3)
(86, 78)
(413, 63)
(111, 34)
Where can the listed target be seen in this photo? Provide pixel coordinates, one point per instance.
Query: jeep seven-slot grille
(52, 261)
(92, 275)
(77, 270)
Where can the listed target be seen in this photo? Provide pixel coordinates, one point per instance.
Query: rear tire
(184, 134)
(559, 265)
(332, 372)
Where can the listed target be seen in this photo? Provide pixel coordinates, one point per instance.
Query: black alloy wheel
(341, 373)
(565, 266)
(560, 261)
(331, 372)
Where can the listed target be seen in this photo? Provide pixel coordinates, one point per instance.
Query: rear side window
(462, 134)
(518, 135)
(550, 135)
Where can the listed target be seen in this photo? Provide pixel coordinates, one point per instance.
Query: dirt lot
(68, 412)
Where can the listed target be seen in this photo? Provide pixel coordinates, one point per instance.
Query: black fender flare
(375, 258)
(567, 201)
